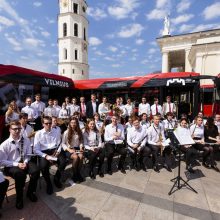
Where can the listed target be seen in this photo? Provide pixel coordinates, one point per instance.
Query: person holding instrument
(137, 139)
(72, 145)
(93, 143)
(114, 142)
(46, 144)
(14, 156)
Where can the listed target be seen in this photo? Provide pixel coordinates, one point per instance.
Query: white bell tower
(73, 39)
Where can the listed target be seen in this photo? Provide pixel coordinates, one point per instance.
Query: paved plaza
(135, 195)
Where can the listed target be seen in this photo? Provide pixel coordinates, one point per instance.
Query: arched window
(65, 54)
(76, 54)
(76, 30)
(75, 8)
(65, 29)
(84, 33)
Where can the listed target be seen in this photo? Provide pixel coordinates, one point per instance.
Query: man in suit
(92, 107)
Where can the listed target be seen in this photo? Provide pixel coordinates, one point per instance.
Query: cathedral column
(188, 67)
(165, 62)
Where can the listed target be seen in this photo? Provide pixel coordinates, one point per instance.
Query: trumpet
(119, 111)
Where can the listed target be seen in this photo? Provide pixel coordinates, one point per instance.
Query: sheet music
(183, 136)
(166, 142)
(2, 179)
(118, 141)
(52, 158)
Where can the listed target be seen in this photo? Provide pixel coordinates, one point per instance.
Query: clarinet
(22, 150)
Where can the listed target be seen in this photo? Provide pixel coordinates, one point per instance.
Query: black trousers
(20, 175)
(191, 153)
(3, 190)
(111, 149)
(140, 156)
(154, 150)
(44, 166)
(92, 157)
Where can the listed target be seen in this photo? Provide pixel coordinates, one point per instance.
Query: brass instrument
(119, 111)
(61, 121)
(32, 134)
(105, 111)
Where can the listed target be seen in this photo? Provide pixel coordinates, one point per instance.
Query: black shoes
(167, 168)
(92, 175)
(20, 204)
(215, 168)
(109, 171)
(190, 169)
(156, 169)
(206, 165)
(49, 189)
(101, 174)
(79, 178)
(57, 183)
(32, 197)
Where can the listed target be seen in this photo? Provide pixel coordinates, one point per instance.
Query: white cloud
(152, 50)
(162, 3)
(145, 61)
(203, 27)
(37, 4)
(99, 53)
(33, 42)
(139, 41)
(156, 14)
(182, 18)
(13, 41)
(212, 11)
(50, 20)
(183, 5)
(116, 65)
(153, 43)
(112, 48)
(96, 13)
(5, 21)
(109, 58)
(186, 28)
(94, 41)
(124, 9)
(130, 30)
(45, 33)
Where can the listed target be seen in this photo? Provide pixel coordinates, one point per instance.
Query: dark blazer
(89, 109)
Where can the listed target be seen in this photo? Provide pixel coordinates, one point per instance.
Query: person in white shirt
(217, 122)
(169, 124)
(14, 156)
(128, 125)
(4, 183)
(114, 142)
(56, 106)
(68, 104)
(129, 108)
(144, 122)
(104, 108)
(156, 138)
(12, 114)
(32, 113)
(50, 110)
(93, 143)
(144, 107)
(137, 139)
(81, 123)
(74, 107)
(72, 145)
(168, 106)
(56, 127)
(82, 108)
(63, 113)
(156, 108)
(46, 146)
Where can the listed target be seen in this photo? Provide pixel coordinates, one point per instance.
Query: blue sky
(122, 33)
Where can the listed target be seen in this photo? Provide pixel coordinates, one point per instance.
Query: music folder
(183, 136)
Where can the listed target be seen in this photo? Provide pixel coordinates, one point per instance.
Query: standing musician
(56, 127)
(56, 106)
(32, 114)
(98, 123)
(39, 107)
(74, 107)
(4, 183)
(156, 108)
(211, 137)
(104, 108)
(92, 107)
(93, 143)
(197, 133)
(68, 104)
(137, 139)
(82, 108)
(72, 145)
(14, 157)
(46, 143)
(217, 122)
(64, 113)
(119, 108)
(114, 142)
(156, 137)
(144, 107)
(12, 114)
(129, 108)
(168, 106)
(50, 111)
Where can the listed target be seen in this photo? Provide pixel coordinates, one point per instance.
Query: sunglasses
(48, 123)
(16, 129)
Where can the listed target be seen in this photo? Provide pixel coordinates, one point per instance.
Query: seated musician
(12, 114)
(93, 143)
(32, 113)
(211, 137)
(4, 183)
(114, 142)
(81, 123)
(144, 121)
(14, 157)
(56, 127)
(98, 123)
(197, 133)
(72, 145)
(136, 140)
(50, 110)
(189, 150)
(217, 122)
(156, 138)
(64, 113)
(46, 146)
(169, 123)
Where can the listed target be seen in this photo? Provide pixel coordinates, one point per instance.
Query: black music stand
(177, 179)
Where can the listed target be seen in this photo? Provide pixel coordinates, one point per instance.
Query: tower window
(84, 9)
(65, 54)
(75, 8)
(63, 71)
(65, 29)
(73, 71)
(76, 54)
(76, 30)
(82, 72)
(84, 33)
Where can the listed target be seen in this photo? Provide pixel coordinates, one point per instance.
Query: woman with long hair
(211, 136)
(93, 143)
(72, 144)
(12, 114)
